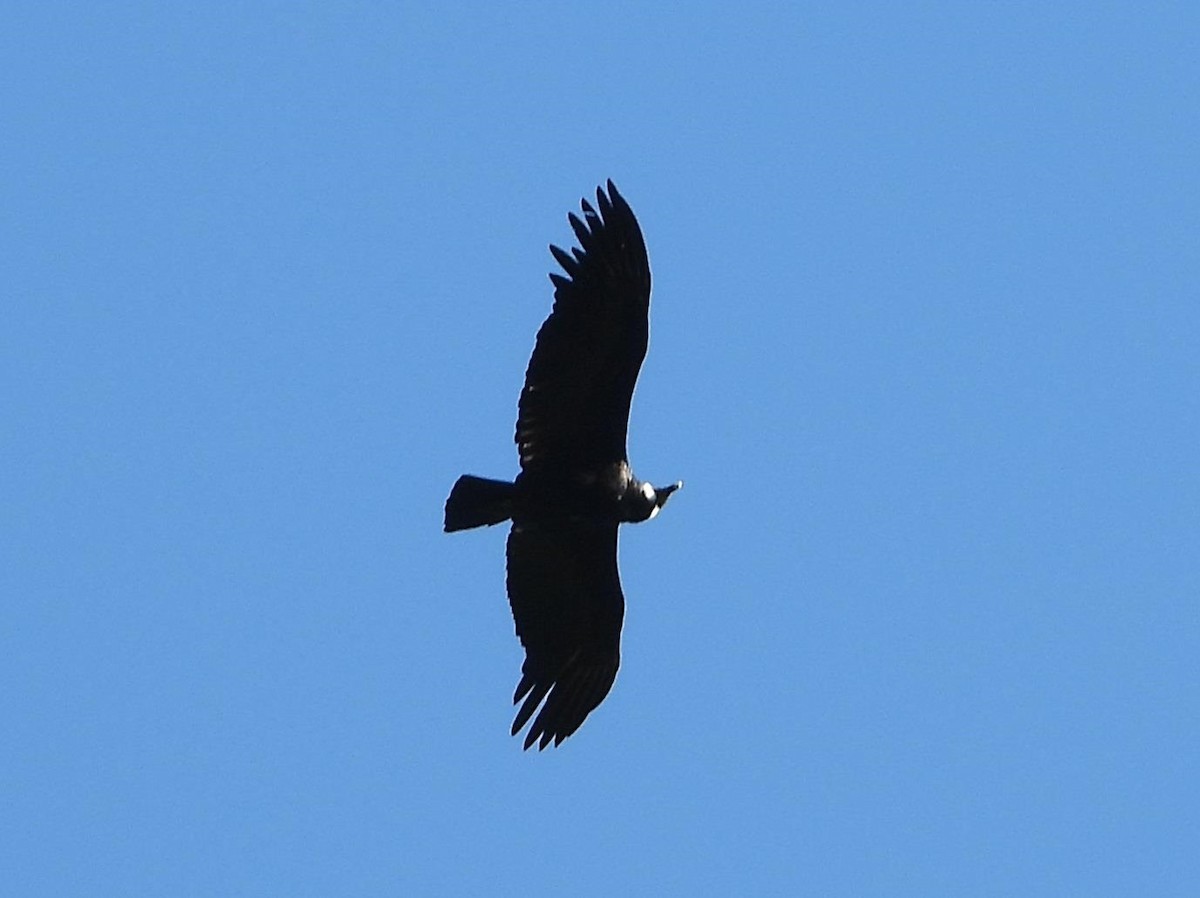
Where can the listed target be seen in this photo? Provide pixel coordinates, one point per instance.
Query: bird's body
(576, 485)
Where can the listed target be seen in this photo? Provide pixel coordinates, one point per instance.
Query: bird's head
(644, 501)
(662, 494)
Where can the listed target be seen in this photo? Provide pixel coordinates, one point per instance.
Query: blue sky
(925, 324)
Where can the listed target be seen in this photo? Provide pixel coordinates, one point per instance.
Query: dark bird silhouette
(575, 486)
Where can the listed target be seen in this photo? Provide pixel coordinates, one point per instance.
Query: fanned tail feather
(477, 502)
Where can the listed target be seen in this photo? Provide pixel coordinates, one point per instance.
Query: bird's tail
(476, 501)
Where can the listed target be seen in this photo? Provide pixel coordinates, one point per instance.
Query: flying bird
(575, 485)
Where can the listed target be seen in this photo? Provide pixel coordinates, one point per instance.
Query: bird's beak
(665, 492)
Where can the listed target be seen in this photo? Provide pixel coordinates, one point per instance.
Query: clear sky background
(925, 351)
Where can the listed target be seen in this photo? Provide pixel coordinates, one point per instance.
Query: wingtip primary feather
(582, 233)
(531, 704)
(605, 205)
(569, 265)
(618, 202)
(523, 688)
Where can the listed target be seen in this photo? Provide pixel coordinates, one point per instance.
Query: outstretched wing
(566, 600)
(574, 408)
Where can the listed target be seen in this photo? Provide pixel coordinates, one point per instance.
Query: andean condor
(575, 484)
